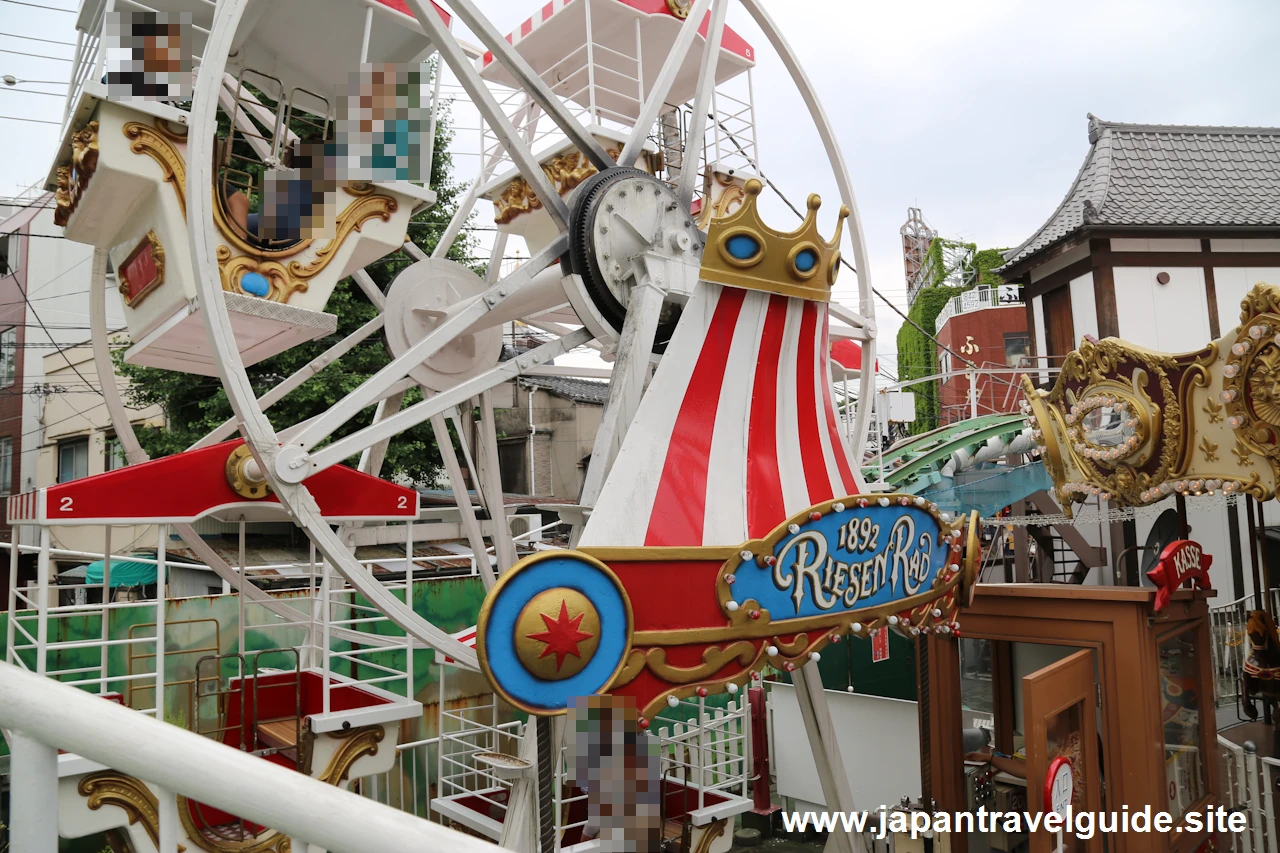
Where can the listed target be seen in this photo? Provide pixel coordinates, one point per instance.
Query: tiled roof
(1162, 175)
(578, 390)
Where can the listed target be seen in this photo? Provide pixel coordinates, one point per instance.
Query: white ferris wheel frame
(284, 457)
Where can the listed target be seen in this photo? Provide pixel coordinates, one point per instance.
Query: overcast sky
(974, 112)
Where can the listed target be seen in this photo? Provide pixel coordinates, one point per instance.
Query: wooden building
(1162, 233)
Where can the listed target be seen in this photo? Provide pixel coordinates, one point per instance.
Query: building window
(1017, 350)
(944, 361)
(6, 465)
(113, 454)
(8, 356)
(8, 253)
(73, 460)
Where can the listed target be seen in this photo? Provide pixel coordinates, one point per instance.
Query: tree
(195, 405)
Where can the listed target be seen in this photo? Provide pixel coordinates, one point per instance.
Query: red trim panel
(190, 485)
(679, 507)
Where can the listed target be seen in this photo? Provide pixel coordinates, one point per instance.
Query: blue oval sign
(844, 557)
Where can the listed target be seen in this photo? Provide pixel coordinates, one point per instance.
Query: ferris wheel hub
(293, 464)
(628, 228)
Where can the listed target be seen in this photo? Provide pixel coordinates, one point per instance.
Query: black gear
(581, 257)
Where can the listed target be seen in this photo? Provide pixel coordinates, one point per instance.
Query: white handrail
(179, 761)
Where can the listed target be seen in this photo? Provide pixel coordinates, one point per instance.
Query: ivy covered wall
(917, 352)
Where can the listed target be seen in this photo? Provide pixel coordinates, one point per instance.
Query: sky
(974, 112)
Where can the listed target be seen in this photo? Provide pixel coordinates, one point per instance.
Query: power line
(36, 120)
(31, 92)
(35, 55)
(33, 38)
(38, 6)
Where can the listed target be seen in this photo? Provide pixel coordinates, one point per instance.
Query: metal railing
(1229, 645)
(982, 296)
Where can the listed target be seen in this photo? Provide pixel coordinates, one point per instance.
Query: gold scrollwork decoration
(1096, 364)
(349, 221)
(74, 179)
(709, 836)
(1213, 409)
(110, 788)
(565, 172)
(356, 744)
(1209, 449)
(268, 841)
(714, 659)
(158, 145)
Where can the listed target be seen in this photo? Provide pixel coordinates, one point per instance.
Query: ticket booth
(1097, 675)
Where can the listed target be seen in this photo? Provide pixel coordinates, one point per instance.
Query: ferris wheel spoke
(852, 319)
(370, 287)
(532, 83)
(459, 318)
(373, 457)
(866, 309)
(666, 79)
(135, 455)
(229, 427)
(418, 413)
(451, 52)
(702, 101)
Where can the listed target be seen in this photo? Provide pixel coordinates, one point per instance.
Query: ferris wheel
(613, 196)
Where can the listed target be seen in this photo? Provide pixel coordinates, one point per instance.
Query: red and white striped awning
(737, 431)
(553, 41)
(467, 637)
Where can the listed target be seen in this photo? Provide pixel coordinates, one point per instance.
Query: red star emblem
(562, 635)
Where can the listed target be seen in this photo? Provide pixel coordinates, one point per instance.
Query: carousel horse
(1262, 665)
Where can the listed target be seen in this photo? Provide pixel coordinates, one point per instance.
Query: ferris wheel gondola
(615, 252)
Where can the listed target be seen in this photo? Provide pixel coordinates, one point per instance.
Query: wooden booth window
(1184, 754)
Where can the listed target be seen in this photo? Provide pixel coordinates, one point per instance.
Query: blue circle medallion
(557, 625)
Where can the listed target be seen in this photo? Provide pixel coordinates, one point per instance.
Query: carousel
(724, 526)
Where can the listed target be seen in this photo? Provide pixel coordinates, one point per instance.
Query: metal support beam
(826, 755)
(468, 512)
(630, 372)
(503, 546)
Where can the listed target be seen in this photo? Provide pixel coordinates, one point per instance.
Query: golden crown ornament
(742, 251)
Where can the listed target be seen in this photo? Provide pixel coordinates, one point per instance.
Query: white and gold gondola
(121, 180)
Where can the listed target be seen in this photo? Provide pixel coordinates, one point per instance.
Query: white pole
(10, 655)
(42, 603)
(591, 69)
(264, 793)
(244, 581)
(106, 608)
(311, 605)
(168, 802)
(33, 796)
(429, 149)
(408, 600)
(161, 601)
(639, 65)
(368, 27)
(325, 614)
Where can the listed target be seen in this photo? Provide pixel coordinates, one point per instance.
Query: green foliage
(917, 352)
(195, 405)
